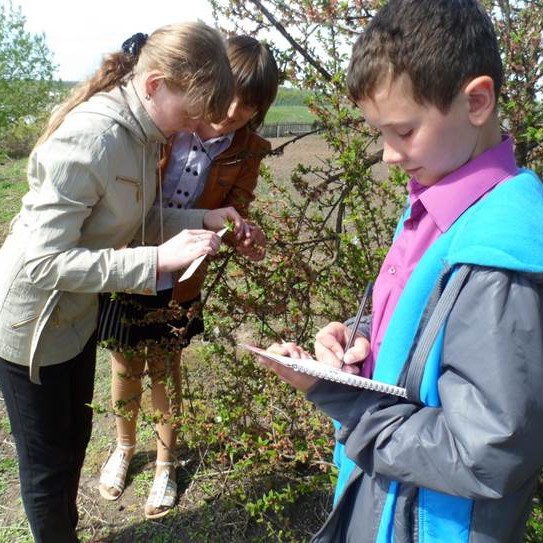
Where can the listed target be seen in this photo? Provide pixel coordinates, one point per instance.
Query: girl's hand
(178, 252)
(330, 342)
(254, 245)
(298, 380)
(216, 219)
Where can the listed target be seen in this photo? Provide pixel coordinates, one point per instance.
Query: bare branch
(283, 31)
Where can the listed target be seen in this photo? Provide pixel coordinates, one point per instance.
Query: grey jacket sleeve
(364, 328)
(486, 439)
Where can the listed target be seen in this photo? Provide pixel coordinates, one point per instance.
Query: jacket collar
(239, 143)
(147, 125)
(125, 106)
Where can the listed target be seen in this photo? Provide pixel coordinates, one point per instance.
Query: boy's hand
(297, 379)
(330, 342)
(254, 244)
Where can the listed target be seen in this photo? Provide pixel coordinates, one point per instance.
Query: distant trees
(27, 85)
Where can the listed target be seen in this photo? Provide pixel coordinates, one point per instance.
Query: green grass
(289, 114)
(142, 483)
(12, 187)
(18, 532)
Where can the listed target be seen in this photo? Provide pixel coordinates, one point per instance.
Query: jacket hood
(123, 105)
(504, 232)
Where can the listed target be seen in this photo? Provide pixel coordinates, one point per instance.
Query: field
(294, 114)
(123, 521)
(289, 107)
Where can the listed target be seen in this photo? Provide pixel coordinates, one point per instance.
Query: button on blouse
(188, 168)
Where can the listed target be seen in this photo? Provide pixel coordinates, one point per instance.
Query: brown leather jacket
(231, 182)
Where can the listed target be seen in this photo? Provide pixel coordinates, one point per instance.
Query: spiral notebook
(324, 371)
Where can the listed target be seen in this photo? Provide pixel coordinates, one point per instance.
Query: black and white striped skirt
(127, 320)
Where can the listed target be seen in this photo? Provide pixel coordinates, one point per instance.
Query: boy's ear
(481, 99)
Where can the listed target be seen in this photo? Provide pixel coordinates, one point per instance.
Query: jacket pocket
(28, 320)
(134, 183)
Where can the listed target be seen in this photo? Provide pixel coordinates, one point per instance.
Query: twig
(281, 148)
(295, 45)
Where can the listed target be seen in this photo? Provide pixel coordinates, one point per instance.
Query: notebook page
(324, 371)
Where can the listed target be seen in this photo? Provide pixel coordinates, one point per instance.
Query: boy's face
(425, 142)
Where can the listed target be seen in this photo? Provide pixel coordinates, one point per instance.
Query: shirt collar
(455, 193)
(218, 141)
(212, 147)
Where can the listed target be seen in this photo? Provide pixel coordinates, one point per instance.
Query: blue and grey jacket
(458, 462)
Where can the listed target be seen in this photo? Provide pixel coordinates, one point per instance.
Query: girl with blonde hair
(92, 181)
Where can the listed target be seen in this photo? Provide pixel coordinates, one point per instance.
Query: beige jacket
(91, 189)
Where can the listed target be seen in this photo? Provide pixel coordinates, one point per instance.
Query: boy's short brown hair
(439, 44)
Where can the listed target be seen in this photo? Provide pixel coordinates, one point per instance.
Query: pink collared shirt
(433, 210)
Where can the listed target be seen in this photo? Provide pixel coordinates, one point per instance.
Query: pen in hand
(354, 328)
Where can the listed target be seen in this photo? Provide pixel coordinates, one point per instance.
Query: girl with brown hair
(213, 166)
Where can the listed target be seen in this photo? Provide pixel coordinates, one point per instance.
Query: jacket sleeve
(486, 438)
(72, 180)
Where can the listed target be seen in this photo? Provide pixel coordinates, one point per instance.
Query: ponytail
(113, 71)
(192, 57)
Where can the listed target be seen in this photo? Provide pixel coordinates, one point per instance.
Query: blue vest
(502, 230)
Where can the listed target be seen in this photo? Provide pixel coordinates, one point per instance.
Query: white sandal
(163, 493)
(113, 475)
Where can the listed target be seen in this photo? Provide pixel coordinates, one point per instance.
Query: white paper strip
(195, 263)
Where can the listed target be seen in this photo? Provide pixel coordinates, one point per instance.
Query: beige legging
(126, 391)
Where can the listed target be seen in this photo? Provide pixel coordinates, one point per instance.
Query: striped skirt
(127, 320)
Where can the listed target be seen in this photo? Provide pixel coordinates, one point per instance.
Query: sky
(80, 32)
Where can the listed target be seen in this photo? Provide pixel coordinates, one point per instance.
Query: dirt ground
(309, 150)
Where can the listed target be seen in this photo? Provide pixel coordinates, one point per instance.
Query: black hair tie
(132, 46)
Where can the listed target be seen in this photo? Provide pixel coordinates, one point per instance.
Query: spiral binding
(315, 369)
(323, 371)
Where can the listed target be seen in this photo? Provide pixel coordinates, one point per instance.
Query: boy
(457, 310)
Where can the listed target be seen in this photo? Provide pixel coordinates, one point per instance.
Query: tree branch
(283, 31)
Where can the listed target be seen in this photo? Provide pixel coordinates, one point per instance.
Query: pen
(354, 328)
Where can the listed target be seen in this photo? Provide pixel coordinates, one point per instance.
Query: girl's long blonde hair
(191, 56)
